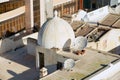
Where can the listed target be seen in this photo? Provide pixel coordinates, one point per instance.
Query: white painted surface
(31, 46)
(49, 8)
(106, 74)
(55, 33)
(118, 1)
(9, 44)
(57, 2)
(42, 12)
(113, 2)
(1, 1)
(12, 14)
(29, 15)
(108, 42)
(80, 15)
(93, 16)
(97, 15)
(117, 9)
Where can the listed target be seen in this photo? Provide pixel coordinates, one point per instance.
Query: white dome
(55, 33)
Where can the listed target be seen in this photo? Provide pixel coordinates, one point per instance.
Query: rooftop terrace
(17, 65)
(88, 64)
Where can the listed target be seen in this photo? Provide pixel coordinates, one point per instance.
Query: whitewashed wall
(106, 74)
(108, 42)
(9, 44)
(31, 46)
(113, 2)
(1, 1)
(97, 15)
(93, 16)
(118, 1)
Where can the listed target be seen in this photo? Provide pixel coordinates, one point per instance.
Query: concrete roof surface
(90, 62)
(17, 65)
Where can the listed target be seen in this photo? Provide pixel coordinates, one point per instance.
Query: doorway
(59, 65)
(41, 60)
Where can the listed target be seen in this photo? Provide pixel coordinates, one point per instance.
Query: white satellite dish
(80, 43)
(68, 64)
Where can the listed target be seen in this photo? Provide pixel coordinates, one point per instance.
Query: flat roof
(98, 33)
(87, 65)
(17, 65)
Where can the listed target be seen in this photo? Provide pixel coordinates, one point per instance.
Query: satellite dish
(80, 43)
(69, 63)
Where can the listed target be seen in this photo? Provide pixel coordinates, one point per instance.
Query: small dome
(55, 33)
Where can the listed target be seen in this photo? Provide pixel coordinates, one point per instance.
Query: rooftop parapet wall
(9, 44)
(108, 72)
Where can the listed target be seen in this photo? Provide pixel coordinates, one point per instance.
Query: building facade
(18, 15)
(10, 21)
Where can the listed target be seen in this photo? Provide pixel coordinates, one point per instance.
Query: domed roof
(55, 33)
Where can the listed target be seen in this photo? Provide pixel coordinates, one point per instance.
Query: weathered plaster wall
(9, 44)
(109, 42)
(50, 58)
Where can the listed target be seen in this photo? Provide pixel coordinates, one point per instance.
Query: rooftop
(17, 65)
(87, 64)
(96, 34)
(110, 20)
(84, 30)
